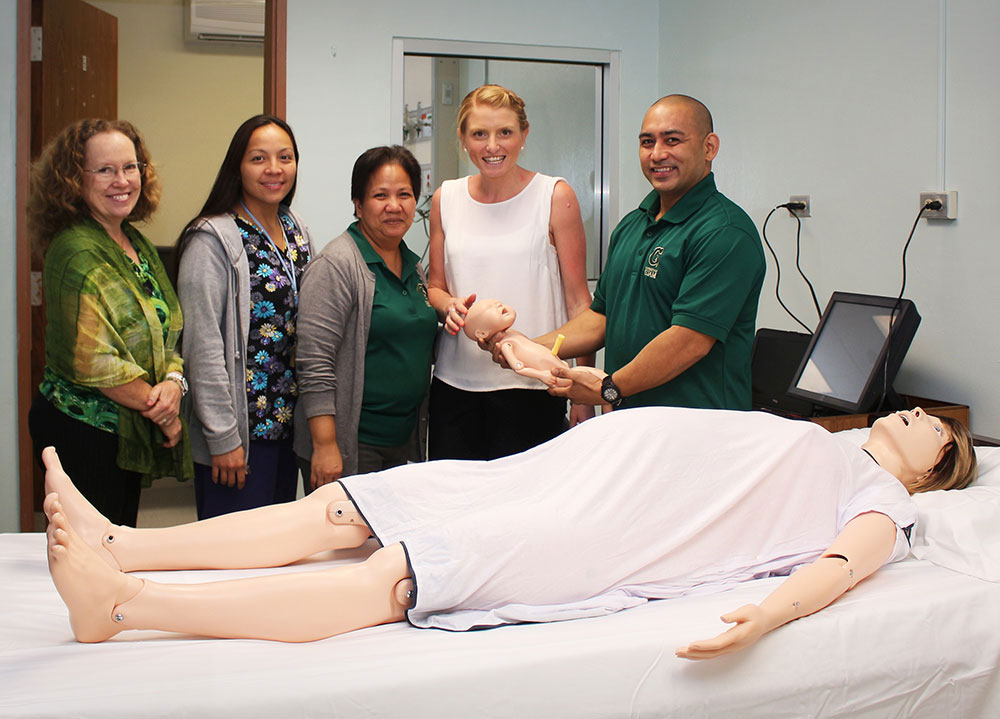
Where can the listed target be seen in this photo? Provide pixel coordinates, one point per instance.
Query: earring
(522, 147)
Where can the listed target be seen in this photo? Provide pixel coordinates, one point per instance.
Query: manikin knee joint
(344, 512)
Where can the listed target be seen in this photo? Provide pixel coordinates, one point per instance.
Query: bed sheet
(915, 640)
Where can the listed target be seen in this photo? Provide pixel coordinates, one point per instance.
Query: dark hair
(228, 187)
(374, 159)
(56, 199)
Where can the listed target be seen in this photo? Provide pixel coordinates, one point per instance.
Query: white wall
(8, 310)
(339, 75)
(841, 101)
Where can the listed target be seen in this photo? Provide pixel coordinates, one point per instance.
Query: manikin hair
(957, 467)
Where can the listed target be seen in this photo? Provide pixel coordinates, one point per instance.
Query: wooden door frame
(275, 48)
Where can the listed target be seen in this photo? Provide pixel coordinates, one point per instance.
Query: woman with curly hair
(110, 396)
(241, 262)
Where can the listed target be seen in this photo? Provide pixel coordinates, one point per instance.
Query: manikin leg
(265, 537)
(297, 607)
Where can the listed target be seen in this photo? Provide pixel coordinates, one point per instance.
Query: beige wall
(187, 98)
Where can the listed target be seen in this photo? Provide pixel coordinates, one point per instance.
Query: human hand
(163, 402)
(751, 624)
(585, 388)
(230, 468)
(454, 315)
(326, 466)
(173, 431)
(579, 413)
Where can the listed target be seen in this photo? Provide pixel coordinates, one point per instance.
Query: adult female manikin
(113, 380)
(366, 331)
(241, 260)
(509, 233)
(643, 503)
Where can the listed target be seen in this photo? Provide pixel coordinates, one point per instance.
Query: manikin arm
(863, 546)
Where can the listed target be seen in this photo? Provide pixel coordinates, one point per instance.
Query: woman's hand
(163, 402)
(751, 624)
(173, 431)
(455, 312)
(580, 413)
(230, 468)
(327, 465)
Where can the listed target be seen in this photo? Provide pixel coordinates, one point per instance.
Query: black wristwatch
(610, 392)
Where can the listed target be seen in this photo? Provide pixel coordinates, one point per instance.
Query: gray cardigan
(213, 283)
(335, 311)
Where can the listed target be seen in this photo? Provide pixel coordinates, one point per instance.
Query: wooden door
(76, 77)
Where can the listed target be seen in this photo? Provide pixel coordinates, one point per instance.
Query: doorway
(571, 98)
(273, 101)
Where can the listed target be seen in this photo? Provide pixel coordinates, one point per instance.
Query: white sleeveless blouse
(500, 250)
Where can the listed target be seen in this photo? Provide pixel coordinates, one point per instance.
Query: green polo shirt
(700, 266)
(400, 345)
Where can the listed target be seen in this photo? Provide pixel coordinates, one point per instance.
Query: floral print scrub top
(271, 388)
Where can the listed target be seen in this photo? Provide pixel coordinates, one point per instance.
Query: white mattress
(916, 640)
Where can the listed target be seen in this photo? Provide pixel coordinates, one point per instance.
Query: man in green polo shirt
(676, 304)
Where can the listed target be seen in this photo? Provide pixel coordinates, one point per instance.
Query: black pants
(89, 457)
(487, 425)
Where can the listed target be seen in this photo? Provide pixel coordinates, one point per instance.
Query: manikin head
(486, 318)
(923, 451)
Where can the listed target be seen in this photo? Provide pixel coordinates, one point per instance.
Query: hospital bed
(921, 638)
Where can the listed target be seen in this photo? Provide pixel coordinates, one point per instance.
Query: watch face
(609, 392)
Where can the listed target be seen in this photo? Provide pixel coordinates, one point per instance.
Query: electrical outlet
(804, 199)
(949, 205)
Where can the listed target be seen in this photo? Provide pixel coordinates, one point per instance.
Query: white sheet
(916, 640)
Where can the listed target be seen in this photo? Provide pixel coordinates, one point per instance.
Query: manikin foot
(89, 587)
(91, 525)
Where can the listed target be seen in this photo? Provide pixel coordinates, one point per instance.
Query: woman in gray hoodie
(241, 261)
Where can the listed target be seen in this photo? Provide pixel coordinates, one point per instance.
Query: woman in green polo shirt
(111, 392)
(366, 331)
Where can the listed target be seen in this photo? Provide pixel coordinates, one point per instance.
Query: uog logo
(652, 262)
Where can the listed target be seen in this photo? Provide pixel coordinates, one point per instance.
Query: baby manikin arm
(863, 546)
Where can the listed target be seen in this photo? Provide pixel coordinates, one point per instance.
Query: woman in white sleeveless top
(509, 233)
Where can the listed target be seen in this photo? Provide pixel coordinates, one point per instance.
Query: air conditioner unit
(225, 20)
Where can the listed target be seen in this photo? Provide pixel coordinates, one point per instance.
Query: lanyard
(286, 262)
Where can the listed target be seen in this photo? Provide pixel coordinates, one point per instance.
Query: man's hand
(586, 387)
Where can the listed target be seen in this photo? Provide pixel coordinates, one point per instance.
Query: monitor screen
(846, 360)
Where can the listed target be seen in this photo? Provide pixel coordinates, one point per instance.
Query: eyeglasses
(110, 172)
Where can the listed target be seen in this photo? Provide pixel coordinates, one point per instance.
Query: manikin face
(493, 138)
(268, 167)
(386, 212)
(674, 154)
(110, 197)
(488, 317)
(918, 439)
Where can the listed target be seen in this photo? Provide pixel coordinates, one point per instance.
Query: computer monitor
(852, 357)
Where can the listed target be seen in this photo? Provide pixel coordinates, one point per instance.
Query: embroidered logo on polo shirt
(652, 263)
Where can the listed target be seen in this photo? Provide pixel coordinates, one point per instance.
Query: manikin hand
(751, 624)
(326, 466)
(230, 468)
(454, 315)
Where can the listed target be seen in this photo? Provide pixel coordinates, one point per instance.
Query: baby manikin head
(486, 318)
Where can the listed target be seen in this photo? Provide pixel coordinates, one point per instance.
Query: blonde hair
(493, 96)
(957, 468)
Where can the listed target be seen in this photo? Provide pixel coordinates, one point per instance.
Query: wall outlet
(804, 199)
(949, 205)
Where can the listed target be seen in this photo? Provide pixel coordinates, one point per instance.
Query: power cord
(777, 266)
(929, 205)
